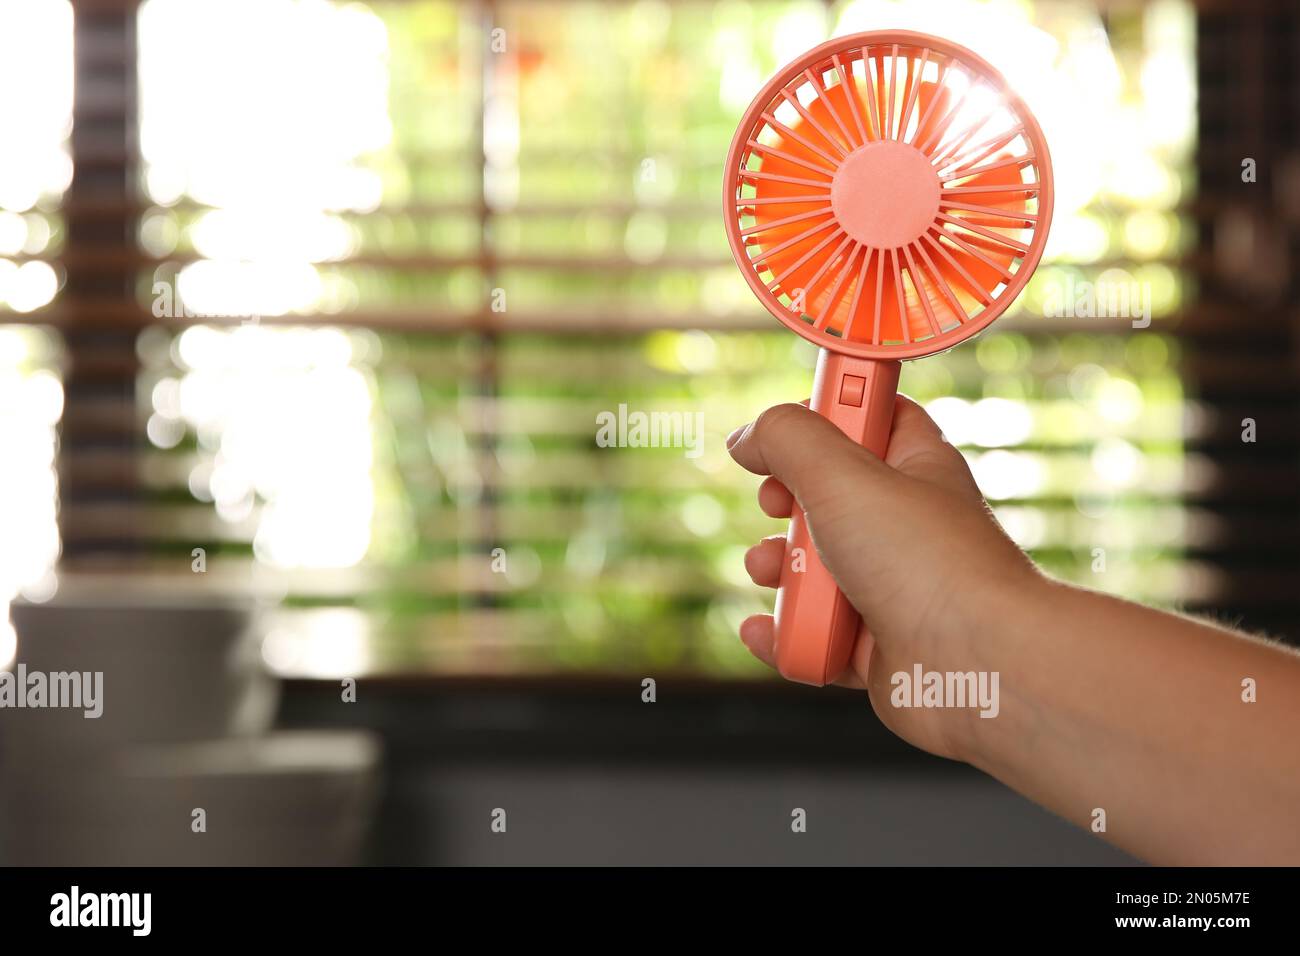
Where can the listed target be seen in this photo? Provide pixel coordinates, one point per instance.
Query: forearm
(1108, 705)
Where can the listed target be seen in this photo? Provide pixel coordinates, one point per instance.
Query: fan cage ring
(963, 270)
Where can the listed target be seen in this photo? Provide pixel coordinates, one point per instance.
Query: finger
(855, 674)
(807, 453)
(758, 633)
(764, 560)
(918, 447)
(775, 498)
(913, 428)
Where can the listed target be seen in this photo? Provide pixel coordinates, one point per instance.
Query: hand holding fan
(886, 197)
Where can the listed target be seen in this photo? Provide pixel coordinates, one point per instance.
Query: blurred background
(307, 310)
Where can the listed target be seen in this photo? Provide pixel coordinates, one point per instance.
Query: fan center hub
(885, 194)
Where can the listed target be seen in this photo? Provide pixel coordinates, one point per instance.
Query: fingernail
(735, 436)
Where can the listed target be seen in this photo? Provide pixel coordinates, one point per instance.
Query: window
(392, 260)
(35, 170)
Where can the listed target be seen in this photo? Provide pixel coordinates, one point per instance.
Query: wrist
(999, 627)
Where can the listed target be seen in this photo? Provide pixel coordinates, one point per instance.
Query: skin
(1104, 703)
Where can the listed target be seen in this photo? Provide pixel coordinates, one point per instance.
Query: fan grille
(888, 195)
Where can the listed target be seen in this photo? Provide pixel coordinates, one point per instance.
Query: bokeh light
(371, 174)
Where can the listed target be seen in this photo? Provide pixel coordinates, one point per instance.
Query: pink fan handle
(816, 626)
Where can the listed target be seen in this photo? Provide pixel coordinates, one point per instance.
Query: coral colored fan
(887, 196)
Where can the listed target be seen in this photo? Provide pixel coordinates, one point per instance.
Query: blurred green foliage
(577, 168)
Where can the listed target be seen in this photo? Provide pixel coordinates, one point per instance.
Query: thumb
(818, 463)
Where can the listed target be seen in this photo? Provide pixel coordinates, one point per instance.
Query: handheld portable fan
(887, 196)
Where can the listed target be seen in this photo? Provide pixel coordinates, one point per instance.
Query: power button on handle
(852, 389)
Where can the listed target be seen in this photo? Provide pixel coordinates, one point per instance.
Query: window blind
(411, 262)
